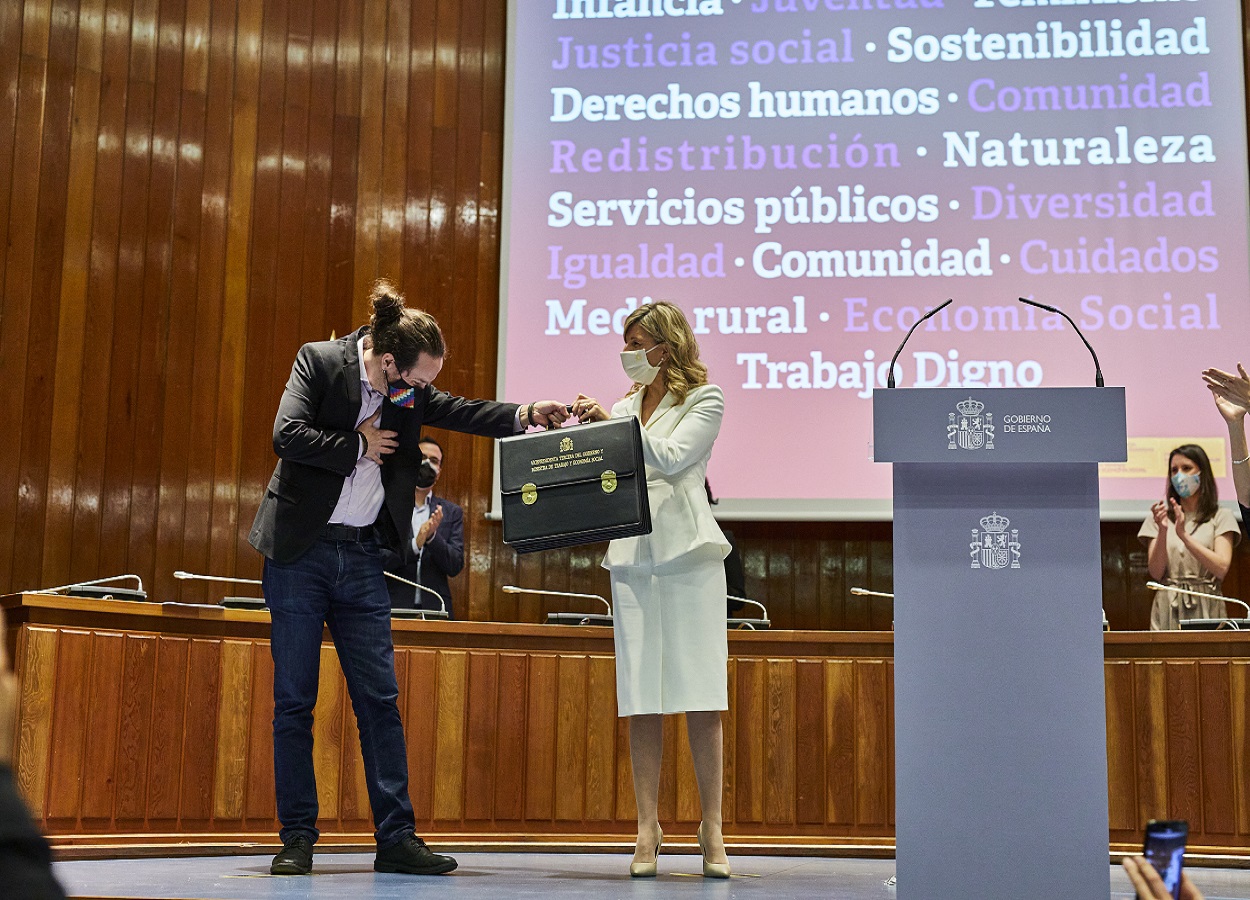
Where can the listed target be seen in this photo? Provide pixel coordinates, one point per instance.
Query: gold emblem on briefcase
(529, 493)
(566, 444)
(607, 481)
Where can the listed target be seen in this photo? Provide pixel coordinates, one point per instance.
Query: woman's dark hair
(404, 333)
(1208, 492)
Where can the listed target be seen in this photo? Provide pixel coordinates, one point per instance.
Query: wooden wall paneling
(418, 146)
(212, 72)
(729, 724)
(134, 738)
(270, 343)
(1150, 739)
(510, 707)
(482, 732)
(880, 577)
(857, 615)
(370, 150)
(749, 759)
(626, 803)
(19, 300)
(169, 723)
(1218, 778)
(780, 743)
(182, 425)
(260, 804)
(1121, 748)
(1239, 715)
(316, 213)
(601, 723)
(64, 414)
(35, 657)
(873, 688)
(392, 178)
(449, 783)
(294, 43)
(100, 762)
(119, 463)
(1183, 746)
(97, 372)
(781, 581)
(840, 743)
(571, 710)
(233, 720)
(11, 21)
(811, 713)
(154, 375)
(238, 33)
(203, 693)
(330, 733)
(341, 227)
(540, 739)
(69, 726)
(421, 729)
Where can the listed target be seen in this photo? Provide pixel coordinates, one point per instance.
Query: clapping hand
(1150, 886)
(1231, 392)
(428, 528)
(1160, 512)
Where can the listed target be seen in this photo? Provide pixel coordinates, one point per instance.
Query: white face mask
(638, 367)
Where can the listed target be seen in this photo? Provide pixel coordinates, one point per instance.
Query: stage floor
(508, 876)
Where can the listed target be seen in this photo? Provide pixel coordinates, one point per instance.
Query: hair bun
(388, 304)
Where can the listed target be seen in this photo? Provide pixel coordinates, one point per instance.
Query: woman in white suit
(668, 587)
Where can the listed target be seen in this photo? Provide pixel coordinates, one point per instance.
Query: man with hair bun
(348, 422)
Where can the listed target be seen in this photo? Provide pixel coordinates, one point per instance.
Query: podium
(999, 697)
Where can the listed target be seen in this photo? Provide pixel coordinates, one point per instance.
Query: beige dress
(1184, 571)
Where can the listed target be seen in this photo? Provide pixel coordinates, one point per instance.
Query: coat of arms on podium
(993, 546)
(972, 427)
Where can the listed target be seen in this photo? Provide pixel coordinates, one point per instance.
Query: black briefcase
(574, 485)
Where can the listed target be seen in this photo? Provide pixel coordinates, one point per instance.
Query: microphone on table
(440, 613)
(749, 624)
(1156, 586)
(864, 592)
(889, 381)
(229, 602)
(1058, 311)
(90, 589)
(568, 618)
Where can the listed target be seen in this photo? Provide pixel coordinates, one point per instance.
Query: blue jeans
(340, 584)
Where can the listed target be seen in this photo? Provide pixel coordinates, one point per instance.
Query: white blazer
(676, 446)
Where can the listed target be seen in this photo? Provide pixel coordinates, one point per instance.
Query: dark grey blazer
(315, 438)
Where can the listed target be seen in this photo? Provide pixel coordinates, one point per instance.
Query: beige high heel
(711, 869)
(647, 869)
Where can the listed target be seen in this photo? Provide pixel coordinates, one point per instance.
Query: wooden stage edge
(147, 729)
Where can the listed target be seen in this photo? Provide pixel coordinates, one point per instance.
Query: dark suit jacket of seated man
(432, 550)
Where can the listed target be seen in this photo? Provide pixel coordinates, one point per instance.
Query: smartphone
(1164, 848)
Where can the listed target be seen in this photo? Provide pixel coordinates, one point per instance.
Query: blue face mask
(1185, 485)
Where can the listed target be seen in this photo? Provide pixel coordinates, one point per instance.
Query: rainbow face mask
(401, 393)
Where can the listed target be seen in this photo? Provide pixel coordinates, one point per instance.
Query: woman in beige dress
(1190, 539)
(668, 587)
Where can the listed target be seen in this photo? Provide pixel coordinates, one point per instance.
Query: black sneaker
(295, 857)
(411, 857)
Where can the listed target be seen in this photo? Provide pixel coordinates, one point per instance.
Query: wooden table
(143, 723)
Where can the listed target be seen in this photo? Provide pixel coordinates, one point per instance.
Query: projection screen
(805, 178)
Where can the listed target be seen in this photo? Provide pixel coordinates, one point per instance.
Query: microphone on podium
(864, 592)
(440, 613)
(228, 602)
(568, 618)
(1058, 311)
(92, 589)
(889, 381)
(749, 624)
(1206, 624)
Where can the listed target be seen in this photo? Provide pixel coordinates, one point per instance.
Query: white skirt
(672, 651)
